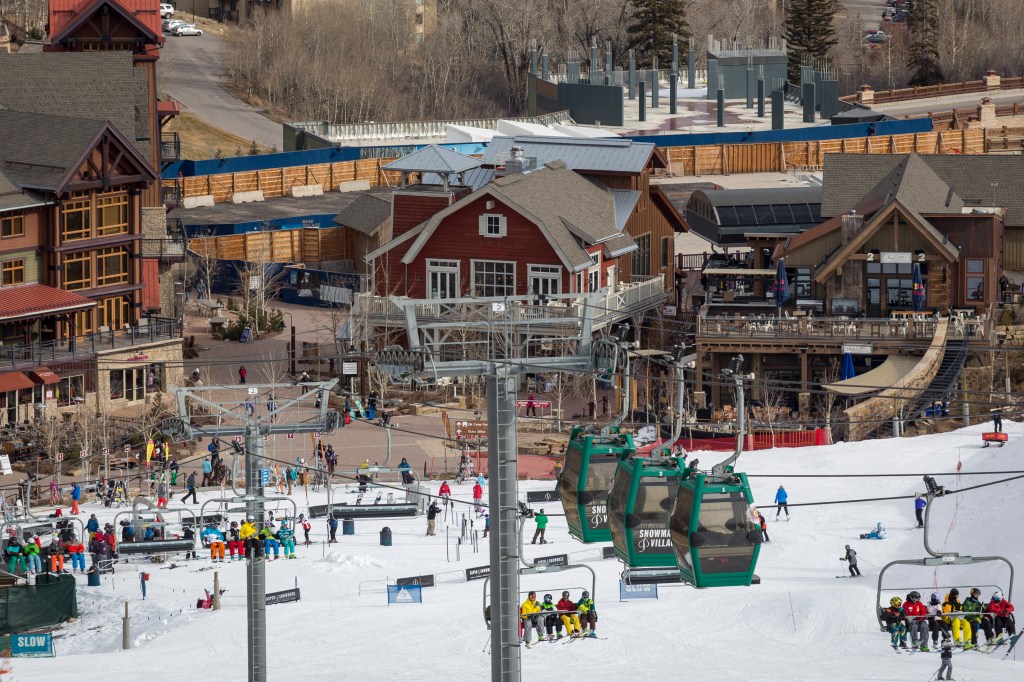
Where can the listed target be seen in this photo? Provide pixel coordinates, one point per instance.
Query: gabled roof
(569, 210)
(434, 159)
(625, 201)
(67, 15)
(366, 214)
(917, 187)
(102, 86)
(933, 236)
(610, 155)
(851, 177)
(41, 152)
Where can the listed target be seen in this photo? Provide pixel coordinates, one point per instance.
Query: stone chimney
(991, 80)
(987, 112)
(852, 224)
(866, 95)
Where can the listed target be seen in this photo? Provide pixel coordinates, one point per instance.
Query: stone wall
(867, 416)
(140, 356)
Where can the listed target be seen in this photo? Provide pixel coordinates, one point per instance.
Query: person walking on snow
(241, 374)
(445, 492)
(542, 524)
(207, 472)
(332, 530)
(919, 505)
(764, 526)
(851, 556)
(76, 495)
(780, 499)
(997, 422)
(478, 499)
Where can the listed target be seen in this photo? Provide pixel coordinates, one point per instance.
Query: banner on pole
(405, 594)
(629, 592)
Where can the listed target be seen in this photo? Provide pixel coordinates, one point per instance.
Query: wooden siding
(814, 252)
(36, 222)
(458, 238)
(410, 208)
(1014, 249)
(151, 283)
(304, 245)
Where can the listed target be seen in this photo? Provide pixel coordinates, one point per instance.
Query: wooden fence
(712, 159)
(303, 245)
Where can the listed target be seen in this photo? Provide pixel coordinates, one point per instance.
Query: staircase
(946, 378)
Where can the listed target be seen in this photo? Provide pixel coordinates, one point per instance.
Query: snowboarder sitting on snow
(877, 534)
(896, 622)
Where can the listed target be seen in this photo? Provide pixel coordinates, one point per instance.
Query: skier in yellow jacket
(961, 628)
(250, 537)
(529, 612)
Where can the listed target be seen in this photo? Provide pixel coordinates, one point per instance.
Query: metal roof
(760, 197)
(591, 154)
(474, 179)
(434, 159)
(625, 202)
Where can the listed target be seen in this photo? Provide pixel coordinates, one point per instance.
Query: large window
(112, 266)
(724, 523)
(77, 217)
(13, 271)
(112, 213)
(680, 525)
(129, 384)
(492, 278)
(642, 256)
(802, 282)
(545, 280)
(71, 390)
(12, 224)
(112, 312)
(975, 279)
(78, 270)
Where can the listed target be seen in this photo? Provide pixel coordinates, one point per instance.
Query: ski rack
(937, 558)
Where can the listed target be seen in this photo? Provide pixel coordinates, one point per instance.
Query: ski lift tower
(501, 359)
(243, 413)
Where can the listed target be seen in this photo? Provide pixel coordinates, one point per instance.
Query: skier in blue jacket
(919, 505)
(780, 499)
(287, 537)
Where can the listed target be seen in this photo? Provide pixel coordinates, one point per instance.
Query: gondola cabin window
(681, 526)
(724, 524)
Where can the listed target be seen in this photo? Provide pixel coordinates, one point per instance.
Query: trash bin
(93, 577)
(385, 537)
(348, 527)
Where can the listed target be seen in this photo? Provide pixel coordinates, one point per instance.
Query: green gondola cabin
(714, 531)
(590, 463)
(640, 506)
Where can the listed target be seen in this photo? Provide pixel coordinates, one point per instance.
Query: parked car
(187, 30)
(166, 10)
(170, 24)
(878, 37)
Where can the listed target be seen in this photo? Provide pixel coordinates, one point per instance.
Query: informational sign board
(60, 456)
(421, 580)
(478, 573)
(858, 348)
(629, 592)
(535, 496)
(541, 404)
(5, 465)
(405, 594)
(283, 597)
(896, 257)
(264, 476)
(471, 429)
(350, 368)
(607, 552)
(553, 560)
(32, 646)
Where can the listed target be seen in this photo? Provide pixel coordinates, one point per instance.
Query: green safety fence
(52, 600)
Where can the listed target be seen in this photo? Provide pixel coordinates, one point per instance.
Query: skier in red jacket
(445, 492)
(1002, 611)
(917, 621)
(571, 619)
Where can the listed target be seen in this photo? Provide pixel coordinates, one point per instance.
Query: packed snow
(801, 623)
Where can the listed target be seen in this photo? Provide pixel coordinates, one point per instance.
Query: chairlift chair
(936, 559)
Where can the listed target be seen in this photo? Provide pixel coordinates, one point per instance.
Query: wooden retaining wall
(724, 159)
(303, 245)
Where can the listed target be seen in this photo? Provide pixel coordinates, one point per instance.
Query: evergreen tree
(651, 26)
(809, 32)
(923, 22)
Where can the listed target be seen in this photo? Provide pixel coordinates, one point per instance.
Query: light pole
(291, 354)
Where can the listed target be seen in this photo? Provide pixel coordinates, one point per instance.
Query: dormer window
(493, 225)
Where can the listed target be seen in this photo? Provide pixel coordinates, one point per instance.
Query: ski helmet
(915, 595)
(565, 594)
(533, 594)
(585, 594)
(547, 597)
(997, 596)
(935, 597)
(975, 592)
(954, 592)
(847, 547)
(895, 601)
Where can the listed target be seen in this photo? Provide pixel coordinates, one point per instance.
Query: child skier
(552, 622)
(917, 621)
(588, 614)
(877, 534)
(1003, 611)
(896, 621)
(851, 556)
(946, 654)
(306, 527)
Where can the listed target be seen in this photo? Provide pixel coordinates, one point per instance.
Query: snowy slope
(800, 624)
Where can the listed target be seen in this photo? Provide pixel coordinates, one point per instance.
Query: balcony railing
(171, 192)
(170, 147)
(923, 327)
(169, 248)
(87, 346)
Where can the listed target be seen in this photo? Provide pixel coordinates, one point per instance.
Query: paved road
(870, 11)
(968, 100)
(192, 70)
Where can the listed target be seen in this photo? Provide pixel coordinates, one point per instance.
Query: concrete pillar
(533, 60)
(712, 77)
(654, 85)
(691, 69)
(544, 66)
(593, 59)
(750, 87)
(632, 75)
(778, 110)
(721, 107)
(672, 85)
(760, 98)
(643, 100)
(608, 66)
(807, 95)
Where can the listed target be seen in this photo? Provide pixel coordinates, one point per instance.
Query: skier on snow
(851, 556)
(781, 498)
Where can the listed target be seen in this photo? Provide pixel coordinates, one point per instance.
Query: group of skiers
(954, 621)
(247, 540)
(31, 556)
(579, 618)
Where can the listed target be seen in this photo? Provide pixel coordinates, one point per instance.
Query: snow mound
(342, 561)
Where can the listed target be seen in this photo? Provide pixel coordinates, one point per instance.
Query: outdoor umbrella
(848, 372)
(780, 287)
(918, 288)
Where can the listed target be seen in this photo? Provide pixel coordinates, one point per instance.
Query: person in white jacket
(938, 626)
